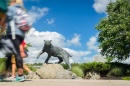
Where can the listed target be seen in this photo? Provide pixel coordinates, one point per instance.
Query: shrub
(128, 71)
(31, 68)
(65, 66)
(96, 66)
(78, 71)
(2, 64)
(103, 68)
(126, 78)
(117, 71)
(125, 67)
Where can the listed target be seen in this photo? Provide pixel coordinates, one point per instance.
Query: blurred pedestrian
(15, 34)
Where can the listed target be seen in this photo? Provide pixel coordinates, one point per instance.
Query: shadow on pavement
(12, 81)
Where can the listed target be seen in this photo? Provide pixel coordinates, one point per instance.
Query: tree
(114, 30)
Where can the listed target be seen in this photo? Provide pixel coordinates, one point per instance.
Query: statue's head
(47, 42)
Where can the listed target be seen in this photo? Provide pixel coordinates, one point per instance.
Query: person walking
(11, 60)
(16, 35)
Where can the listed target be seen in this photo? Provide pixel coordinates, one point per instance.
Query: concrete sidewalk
(67, 82)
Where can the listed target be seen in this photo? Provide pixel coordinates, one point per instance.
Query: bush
(103, 68)
(31, 68)
(65, 66)
(78, 71)
(96, 66)
(128, 71)
(125, 67)
(2, 64)
(126, 78)
(117, 71)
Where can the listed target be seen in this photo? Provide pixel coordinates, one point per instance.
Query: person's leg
(30, 73)
(25, 67)
(8, 62)
(13, 70)
(19, 62)
(13, 66)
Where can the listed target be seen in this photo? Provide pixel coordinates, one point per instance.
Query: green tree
(114, 30)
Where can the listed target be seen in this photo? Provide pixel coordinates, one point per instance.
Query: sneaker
(1, 78)
(30, 75)
(19, 79)
(11, 78)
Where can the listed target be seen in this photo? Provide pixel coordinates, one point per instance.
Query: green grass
(126, 78)
(78, 71)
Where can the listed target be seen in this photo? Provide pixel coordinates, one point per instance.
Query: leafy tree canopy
(114, 30)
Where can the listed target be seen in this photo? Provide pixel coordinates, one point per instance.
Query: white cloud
(37, 38)
(92, 44)
(50, 21)
(1, 55)
(74, 41)
(127, 61)
(37, 13)
(78, 56)
(100, 5)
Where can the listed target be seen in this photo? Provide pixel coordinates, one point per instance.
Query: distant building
(99, 58)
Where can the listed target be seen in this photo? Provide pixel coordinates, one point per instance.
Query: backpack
(22, 20)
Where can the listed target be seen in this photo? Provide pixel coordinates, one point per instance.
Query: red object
(23, 43)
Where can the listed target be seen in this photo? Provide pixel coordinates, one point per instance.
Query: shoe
(19, 79)
(30, 75)
(11, 78)
(1, 78)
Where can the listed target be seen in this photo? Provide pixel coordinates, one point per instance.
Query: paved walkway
(67, 82)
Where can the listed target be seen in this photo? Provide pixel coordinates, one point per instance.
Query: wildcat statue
(58, 52)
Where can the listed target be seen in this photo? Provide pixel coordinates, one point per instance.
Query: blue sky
(70, 24)
(68, 17)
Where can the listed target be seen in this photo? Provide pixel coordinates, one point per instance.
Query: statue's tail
(70, 55)
(39, 54)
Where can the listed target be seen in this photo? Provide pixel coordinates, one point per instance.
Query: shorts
(13, 59)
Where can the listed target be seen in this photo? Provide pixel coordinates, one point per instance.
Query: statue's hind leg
(66, 60)
(60, 60)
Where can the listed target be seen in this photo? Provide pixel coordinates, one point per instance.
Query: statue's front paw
(57, 62)
(46, 63)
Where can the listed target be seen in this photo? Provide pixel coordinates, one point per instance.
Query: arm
(21, 47)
